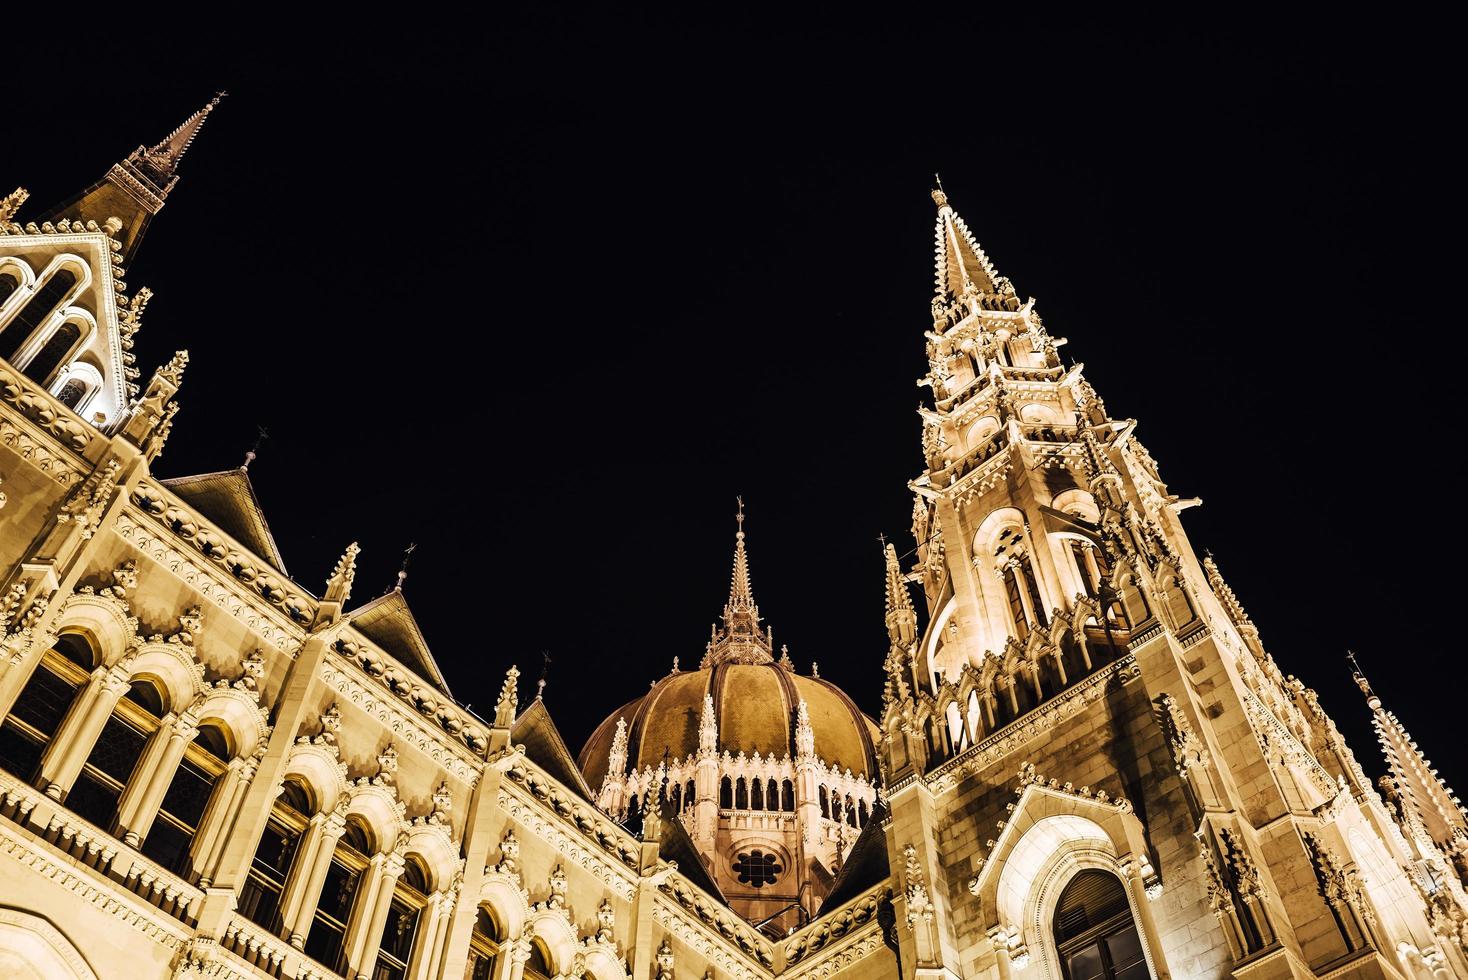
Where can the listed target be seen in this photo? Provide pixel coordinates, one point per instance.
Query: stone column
(78, 732)
(369, 914)
(428, 947)
(134, 825)
(218, 815)
(302, 893)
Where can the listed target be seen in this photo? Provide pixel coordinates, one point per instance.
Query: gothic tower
(1091, 726)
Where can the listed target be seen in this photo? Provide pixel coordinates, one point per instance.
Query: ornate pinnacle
(617, 758)
(741, 640)
(11, 203)
(509, 700)
(901, 619)
(805, 735)
(708, 729)
(339, 585)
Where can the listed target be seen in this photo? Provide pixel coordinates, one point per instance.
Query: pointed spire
(163, 157)
(339, 585)
(1428, 806)
(617, 761)
(708, 729)
(741, 640)
(901, 619)
(133, 191)
(964, 276)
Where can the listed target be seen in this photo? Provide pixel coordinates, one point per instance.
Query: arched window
(690, 794)
(37, 310)
(861, 813)
(957, 737)
(1095, 934)
(772, 795)
(54, 352)
(484, 946)
(787, 796)
(726, 793)
(850, 811)
(1086, 567)
(324, 941)
(401, 928)
(72, 393)
(205, 760)
(825, 804)
(741, 794)
(115, 755)
(757, 794)
(260, 896)
(42, 704)
(538, 966)
(975, 717)
(1179, 606)
(677, 798)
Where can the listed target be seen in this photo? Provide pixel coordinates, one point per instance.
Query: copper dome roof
(755, 702)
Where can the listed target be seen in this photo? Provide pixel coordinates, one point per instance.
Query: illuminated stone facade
(1087, 764)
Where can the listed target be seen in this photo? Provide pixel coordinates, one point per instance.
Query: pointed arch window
(1095, 933)
(741, 794)
(37, 310)
(726, 793)
(690, 794)
(825, 804)
(757, 795)
(787, 796)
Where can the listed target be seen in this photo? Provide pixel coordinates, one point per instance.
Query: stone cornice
(145, 534)
(582, 839)
(833, 929)
(35, 428)
(407, 725)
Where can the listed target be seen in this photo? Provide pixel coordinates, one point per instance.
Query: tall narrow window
(484, 946)
(1086, 567)
(757, 795)
(42, 704)
(825, 804)
(183, 804)
(1033, 586)
(726, 793)
(260, 897)
(741, 794)
(37, 310)
(61, 343)
(401, 928)
(787, 796)
(324, 942)
(690, 795)
(113, 759)
(1095, 934)
(1016, 603)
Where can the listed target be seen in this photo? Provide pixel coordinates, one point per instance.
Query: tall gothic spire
(964, 275)
(740, 639)
(136, 189)
(1426, 803)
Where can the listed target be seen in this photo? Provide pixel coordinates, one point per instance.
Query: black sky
(544, 299)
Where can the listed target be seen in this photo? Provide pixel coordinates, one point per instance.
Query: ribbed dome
(755, 701)
(755, 707)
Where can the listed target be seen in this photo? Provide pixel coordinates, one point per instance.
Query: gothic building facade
(1087, 763)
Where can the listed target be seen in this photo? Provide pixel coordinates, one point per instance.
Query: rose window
(757, 868)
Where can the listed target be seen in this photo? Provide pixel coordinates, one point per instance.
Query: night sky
(545, 299)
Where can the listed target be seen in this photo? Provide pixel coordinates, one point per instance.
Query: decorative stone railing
(99, 851)
(268, 954)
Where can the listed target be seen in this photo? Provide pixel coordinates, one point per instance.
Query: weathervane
(403, 569)
(545, 661)
(260, 436)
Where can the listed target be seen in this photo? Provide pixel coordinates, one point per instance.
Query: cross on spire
(740, 638)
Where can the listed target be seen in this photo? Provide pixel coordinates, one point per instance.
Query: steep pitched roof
(865, 866)
(544, 746)
(388, 622)
(676, 845)
(228, 499)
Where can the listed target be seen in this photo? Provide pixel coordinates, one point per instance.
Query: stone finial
(617, 758)
(665, 960)
(10, 203)
(387, 766)
(508, 704)
(339, 585)
(443, 805)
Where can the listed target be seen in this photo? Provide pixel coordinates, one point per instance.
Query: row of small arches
(24, 319)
